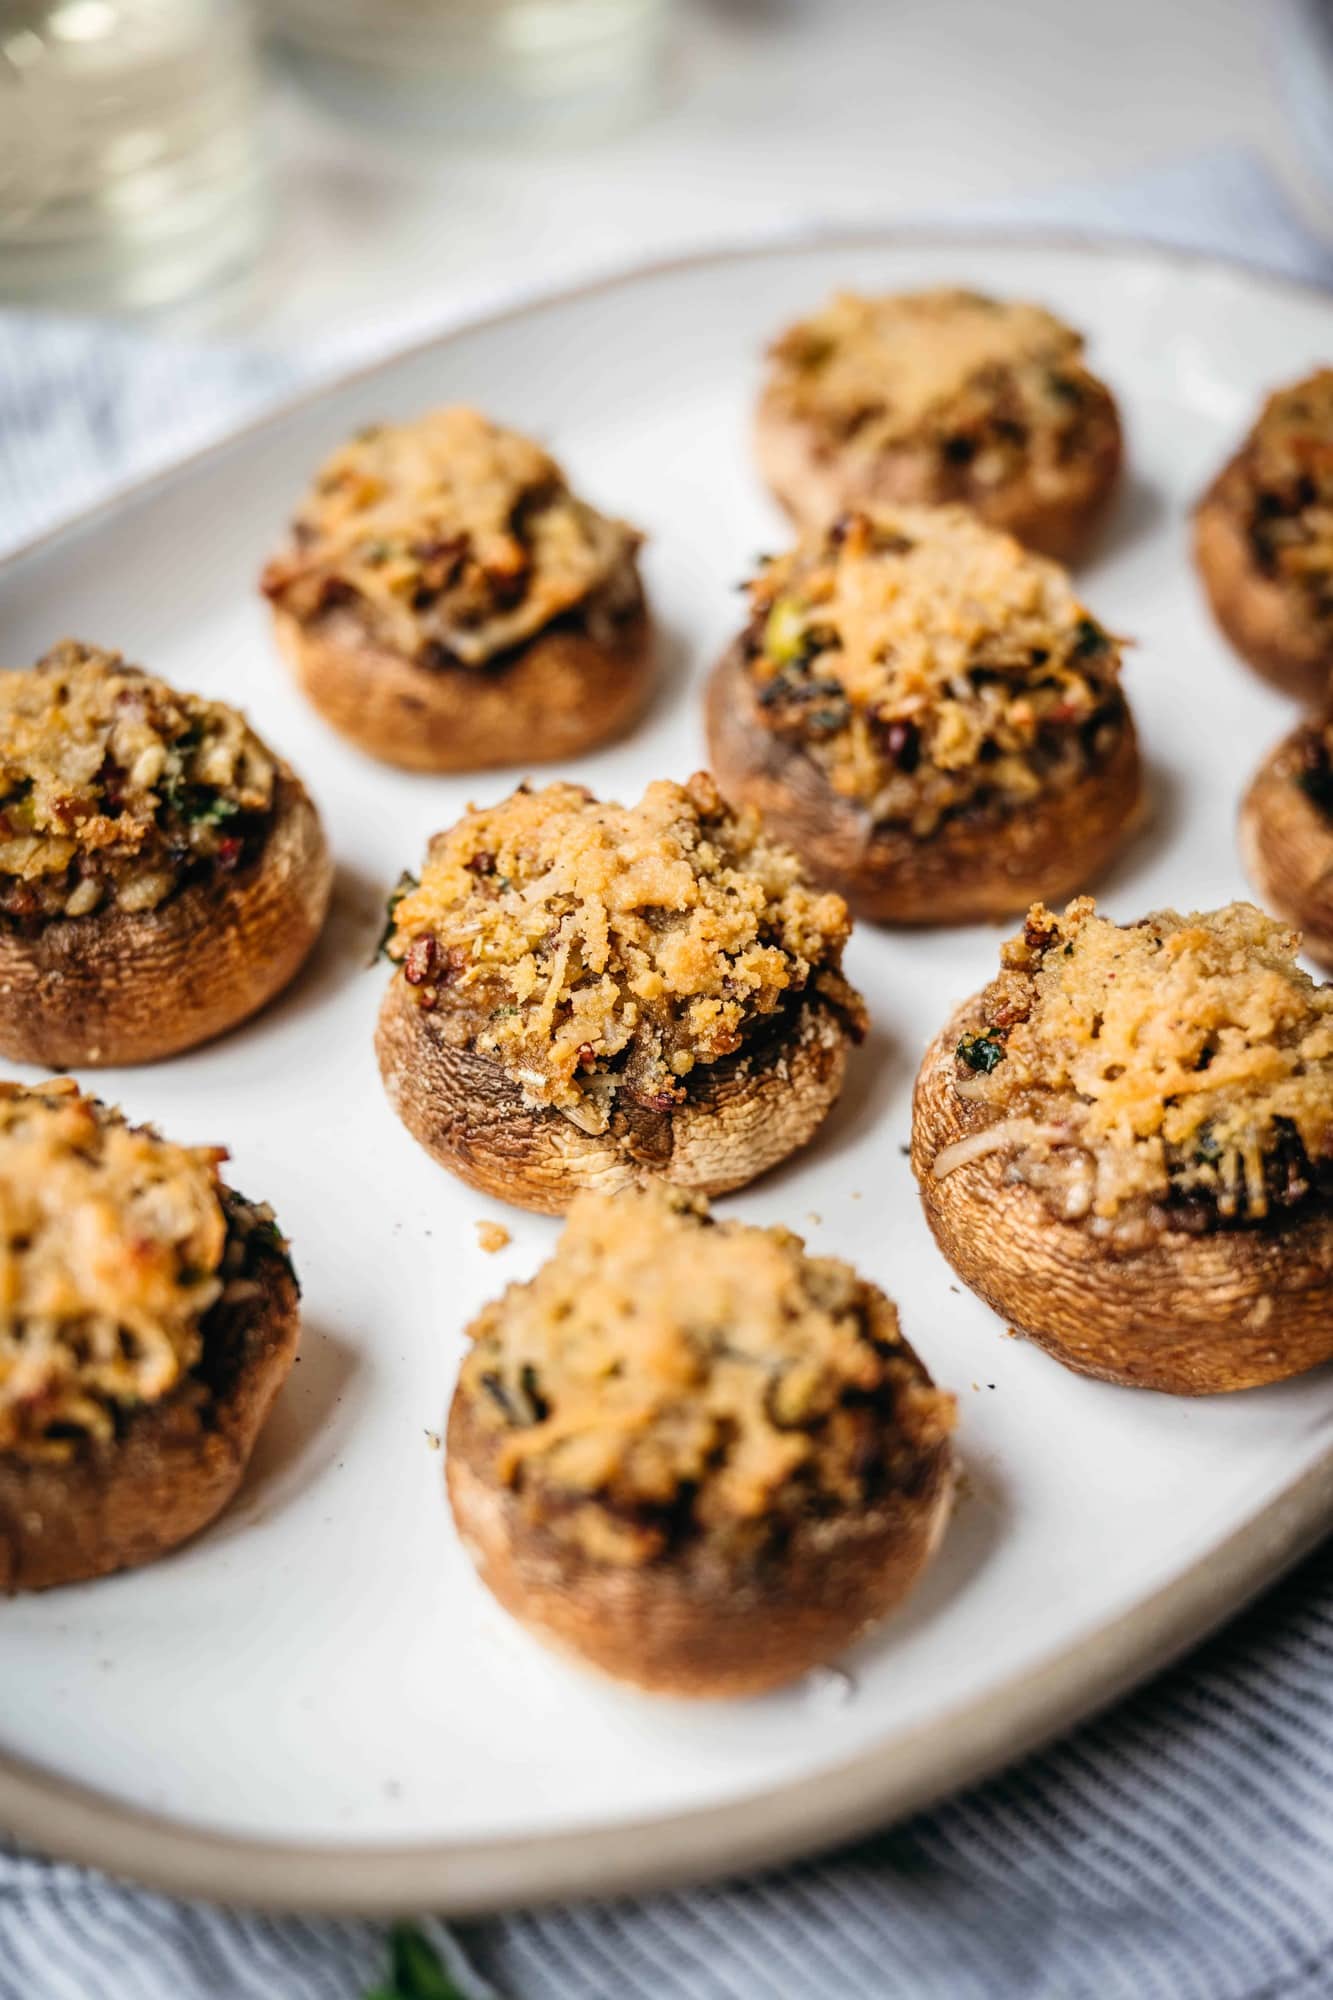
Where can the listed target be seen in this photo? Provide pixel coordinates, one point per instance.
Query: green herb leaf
(416, 1972)
(402, 887)
(784, 631)
(1089, 639)
(981, 1052)
(215, 810)
(200, 805)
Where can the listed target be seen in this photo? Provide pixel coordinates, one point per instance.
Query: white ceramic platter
(315, 1703)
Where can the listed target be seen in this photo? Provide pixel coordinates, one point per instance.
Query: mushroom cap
(973, 868)
(697, 1622)
(1267, 624)
(560, 693)
(1191, 1315)
(172, 1465)
(1286, 844)
(814, 482)
(118, 986)
(740, 1116)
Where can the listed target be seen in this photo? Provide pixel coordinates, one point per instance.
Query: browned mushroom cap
(448, 604)
(734, 1120)
(563, 692)
(976, 866)
(150, 1317)
(937, 397)
(1286, 836)
(929, 715)
(1171, 1292)
(1261, 617)
(121, 986)
(170, 1469)
(756, 1512)
(591, 995)
(1261, 540)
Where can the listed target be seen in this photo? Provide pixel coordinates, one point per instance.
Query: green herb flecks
(198, 805)
(784, 632)
(416, 1971)
(404, 886)
(981, 1052)
(1090, 639)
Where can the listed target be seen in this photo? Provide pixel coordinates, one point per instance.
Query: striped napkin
(1179, 1849)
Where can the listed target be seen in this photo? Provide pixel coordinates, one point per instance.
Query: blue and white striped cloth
(1179, 1849)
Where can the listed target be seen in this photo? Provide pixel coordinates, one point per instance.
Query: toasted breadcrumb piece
(493, 1236)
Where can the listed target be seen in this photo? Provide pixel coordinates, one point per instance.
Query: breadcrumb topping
(113, 1245)
(993, 388)
(115, 789)
(454, 538)
(664, 1374)
(929, 663)
(597, 949)
(1176, 1069)
(1281, 484)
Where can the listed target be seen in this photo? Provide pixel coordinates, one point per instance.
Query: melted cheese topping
(114, 788)
(1180, 1057)
(453, 537)
(1281, 482)
(593, 949)
(929, 367)
(658, 1359)
(111, 1250)
(921, 657)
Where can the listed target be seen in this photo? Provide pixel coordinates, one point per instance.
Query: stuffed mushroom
(693, 1456)
(1124, 1144)
(1263, 539)
(590, 995)
(149, 1320)
(930, 397)
(449, 604)
(162, 873)
(1286, 833)
(930, 716)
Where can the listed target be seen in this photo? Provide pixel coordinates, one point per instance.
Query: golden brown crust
(120, 987)
(1266, 623)
(560, 693)
(814, 482)
(1190, 1315)
(740, 1116)
(173, 1467)
(693, 1624)
(1286, 844)
(973, 868)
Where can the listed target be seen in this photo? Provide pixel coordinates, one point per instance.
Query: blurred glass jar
(129, 152)
(472, 67)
